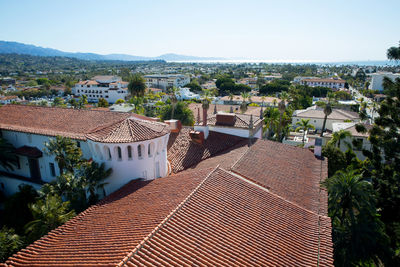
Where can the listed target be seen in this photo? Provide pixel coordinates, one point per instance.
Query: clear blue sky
(286, 30)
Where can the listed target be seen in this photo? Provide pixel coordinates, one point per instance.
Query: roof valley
(165, 221)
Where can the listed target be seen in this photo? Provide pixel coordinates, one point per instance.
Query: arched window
(140, 149)
(150, 149)
(129, 149)
(119, 153)
(107, 152)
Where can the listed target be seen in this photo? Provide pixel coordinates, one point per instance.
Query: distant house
(360, 138)
(316, 116)
(166, 81)
(185, 94)
(377, 79)
(7, 81)
(8, 99)
(111, 88)
(330, 83)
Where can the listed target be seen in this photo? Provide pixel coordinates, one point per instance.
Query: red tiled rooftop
(291, 172)
(72, 123)
(229, 221)
(105, 233)
(128, 131)
(183, 153)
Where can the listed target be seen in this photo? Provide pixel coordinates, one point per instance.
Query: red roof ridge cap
(160, 225)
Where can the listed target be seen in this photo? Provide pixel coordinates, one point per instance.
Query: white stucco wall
(316, 122)
(126, 169)
(10, 185)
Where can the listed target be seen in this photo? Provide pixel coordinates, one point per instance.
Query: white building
(166, 81)
(316, 116)
(185, 94)
(377, 79)
(111, 88)
(8, 99)
(129, 144)
(360, 138)
(330, 83)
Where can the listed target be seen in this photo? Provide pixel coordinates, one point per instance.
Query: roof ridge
(162, 224)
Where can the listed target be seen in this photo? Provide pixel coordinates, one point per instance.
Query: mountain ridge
(9, 47)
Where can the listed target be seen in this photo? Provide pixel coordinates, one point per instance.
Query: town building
(8, 99)
(111, 88)
(7, 81)
(330, 83)
(377, 79)
(184, 93)
(360, 140)
(316, 116)
(132, 145)
(166, 81)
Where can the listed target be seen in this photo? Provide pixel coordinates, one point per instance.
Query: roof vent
(197, 136)
(225, 119)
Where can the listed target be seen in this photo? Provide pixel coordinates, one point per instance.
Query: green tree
(82, 102)
(16, 211)
(243, 105)
(102, 103)
(119, 101)
(10, 243)
(95, 174)
(338, 136)
(8, 159)
(383, 162)
(58, 101)
(137, 85)
(358, 234)
(181, 112)
(393, 53)
(304, 125)
(48, 214)
(271, 119)
(67, 153)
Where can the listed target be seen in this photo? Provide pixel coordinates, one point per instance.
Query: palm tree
(206, 99)
(304, 125)
(338, 136)
(271, 120)
(95, 174)
(243, 106)
(67, 154)
(327, 112)
(8, 159)
(282, 109)
(137, 85)
(263, 100)
(393, 53)
(48, 214)
(230, 97)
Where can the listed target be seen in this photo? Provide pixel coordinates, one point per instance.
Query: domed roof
(129, 130)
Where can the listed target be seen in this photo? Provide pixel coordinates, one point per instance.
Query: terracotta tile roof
(105, 233)
(128, 131)
(228, 221)
(183, 153)
(290, 172)
(72, 123)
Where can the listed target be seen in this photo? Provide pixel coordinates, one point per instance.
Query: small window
(119, 153)
(78, 144)
(139, 151)
(52, 169)
(129, 152)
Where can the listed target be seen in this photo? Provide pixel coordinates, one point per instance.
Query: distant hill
(26, 49)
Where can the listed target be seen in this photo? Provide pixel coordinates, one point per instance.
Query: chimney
(318, 147)
(174, 125)
(204, 117)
